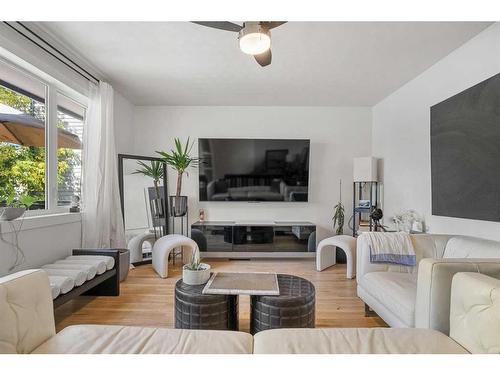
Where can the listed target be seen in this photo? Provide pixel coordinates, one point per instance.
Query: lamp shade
(365, 169)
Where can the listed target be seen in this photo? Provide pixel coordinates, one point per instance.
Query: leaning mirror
(143, 189)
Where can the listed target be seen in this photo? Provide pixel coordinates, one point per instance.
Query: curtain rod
(88, 76)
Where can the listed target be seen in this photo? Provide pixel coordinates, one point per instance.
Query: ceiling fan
(254, 37)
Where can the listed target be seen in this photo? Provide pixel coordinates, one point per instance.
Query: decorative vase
(157, 204)
(178, 205)
(11, 213)
(196, 277)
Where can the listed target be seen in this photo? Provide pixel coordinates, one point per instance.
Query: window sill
(41, 221)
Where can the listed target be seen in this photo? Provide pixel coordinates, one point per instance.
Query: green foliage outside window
(22, 168)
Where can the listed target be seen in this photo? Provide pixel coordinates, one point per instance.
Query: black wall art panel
(465, 153)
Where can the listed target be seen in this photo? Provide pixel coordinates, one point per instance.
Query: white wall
(337, 136)
(13, 45)
(43, 240)
(124, 125)
(401, 131)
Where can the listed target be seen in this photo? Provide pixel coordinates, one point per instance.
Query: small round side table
(293, 308)
(194, 310)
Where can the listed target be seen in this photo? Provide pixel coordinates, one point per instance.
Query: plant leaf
(179, 157)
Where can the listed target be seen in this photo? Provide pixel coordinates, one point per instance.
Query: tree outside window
(22, 167)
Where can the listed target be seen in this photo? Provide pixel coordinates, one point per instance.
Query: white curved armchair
(164, 245)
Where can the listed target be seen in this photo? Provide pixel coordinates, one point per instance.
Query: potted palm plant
(155, 171)
(180, 159)
(195, 272)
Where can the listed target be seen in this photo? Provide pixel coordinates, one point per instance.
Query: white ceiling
(314, 63)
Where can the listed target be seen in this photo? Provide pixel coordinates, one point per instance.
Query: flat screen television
(253, 170)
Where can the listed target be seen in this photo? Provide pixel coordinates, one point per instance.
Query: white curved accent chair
(326, 253)
(136, 243)
(164, 245)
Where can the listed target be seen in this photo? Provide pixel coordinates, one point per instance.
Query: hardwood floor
(147, 300)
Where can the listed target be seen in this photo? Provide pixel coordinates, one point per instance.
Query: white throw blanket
(395, 248)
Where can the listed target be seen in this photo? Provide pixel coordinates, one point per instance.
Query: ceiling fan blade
(272, 24)
(264, 59)
(221, 25)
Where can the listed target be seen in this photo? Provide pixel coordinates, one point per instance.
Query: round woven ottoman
(194, 310)
(293, 308)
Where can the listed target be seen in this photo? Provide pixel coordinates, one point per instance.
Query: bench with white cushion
(87, 271)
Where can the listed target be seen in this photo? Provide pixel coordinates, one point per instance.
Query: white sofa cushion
(64, 283)
(78, 276)
(55, 289)
(354, 341)
(432, 306)
(100, 339)
(475, 312)
(26, 314)
(100, 265)
(471, 247)
(110, 261)
(90, 270)
(395, 290)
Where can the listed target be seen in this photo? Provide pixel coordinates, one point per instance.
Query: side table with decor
(194, 310)
(277, 301)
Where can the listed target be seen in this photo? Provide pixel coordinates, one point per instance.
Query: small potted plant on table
(180, 159)
(195, 272)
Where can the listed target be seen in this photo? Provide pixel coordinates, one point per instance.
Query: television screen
(252, 170)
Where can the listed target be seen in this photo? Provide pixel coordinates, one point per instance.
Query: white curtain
(102, 225)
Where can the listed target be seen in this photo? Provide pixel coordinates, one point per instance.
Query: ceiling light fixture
(254, 39)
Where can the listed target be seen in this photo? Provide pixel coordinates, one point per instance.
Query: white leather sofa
(474, 321)
(420, 296)
(27, 326)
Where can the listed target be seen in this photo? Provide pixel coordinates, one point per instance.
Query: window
(70, 122)
(41, 127)
(22, 136)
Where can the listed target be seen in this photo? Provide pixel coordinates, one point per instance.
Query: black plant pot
(178, 205)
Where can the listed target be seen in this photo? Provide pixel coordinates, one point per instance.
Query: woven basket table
(194, 310)
(293, 308)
